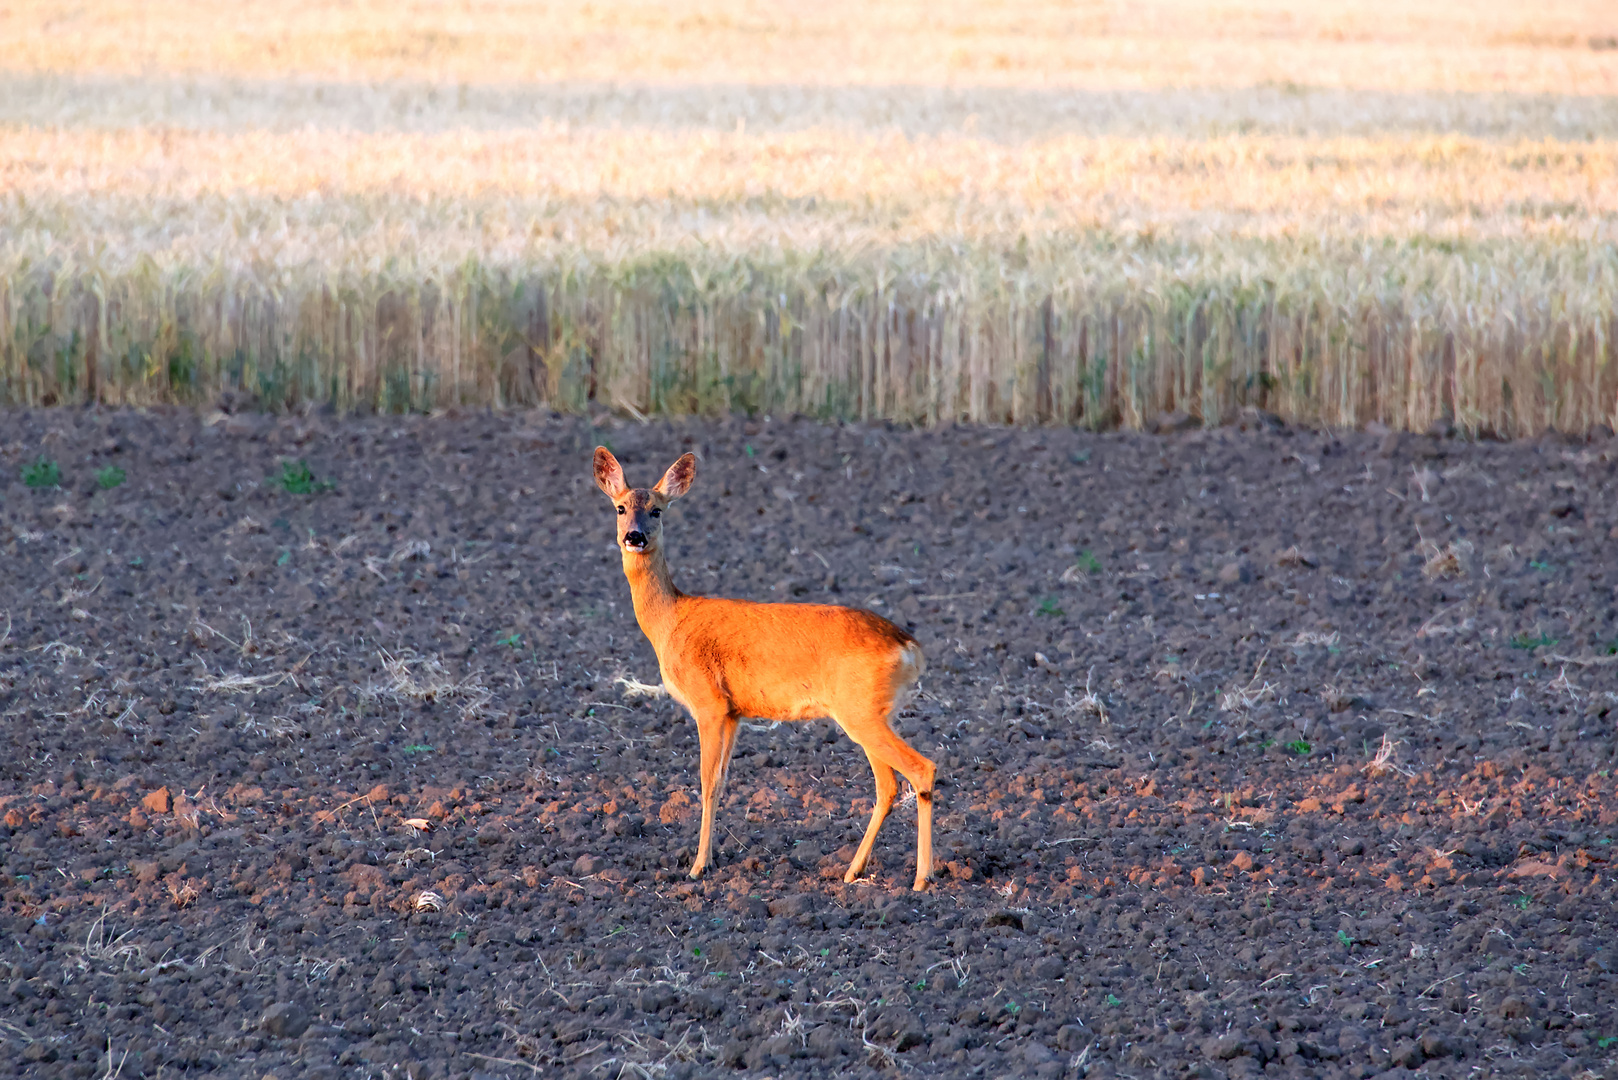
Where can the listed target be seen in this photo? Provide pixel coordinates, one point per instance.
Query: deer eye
(657, 512)
(620, 511)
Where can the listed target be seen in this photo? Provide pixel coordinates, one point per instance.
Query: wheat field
(1075, 213)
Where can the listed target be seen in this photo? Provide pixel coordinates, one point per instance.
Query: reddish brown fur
(726, 659)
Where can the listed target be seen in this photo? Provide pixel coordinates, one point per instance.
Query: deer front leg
(716, 733)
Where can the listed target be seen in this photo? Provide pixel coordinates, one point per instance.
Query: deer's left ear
(677, 481)
(609, 474)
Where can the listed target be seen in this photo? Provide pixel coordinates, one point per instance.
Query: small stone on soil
(285, 1020)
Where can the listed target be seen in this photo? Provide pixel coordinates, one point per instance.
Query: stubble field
(1259, 749)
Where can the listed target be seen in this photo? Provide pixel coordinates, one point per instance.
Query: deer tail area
(913, 664)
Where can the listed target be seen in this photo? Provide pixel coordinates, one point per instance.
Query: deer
(724, 659)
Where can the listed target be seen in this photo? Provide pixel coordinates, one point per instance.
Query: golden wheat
(1560, 47)
(1340, 212)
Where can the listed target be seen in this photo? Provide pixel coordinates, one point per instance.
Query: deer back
(784, 661)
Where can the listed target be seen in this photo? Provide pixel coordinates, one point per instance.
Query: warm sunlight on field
(1556, 48)
(1077, 212)
(357, 725)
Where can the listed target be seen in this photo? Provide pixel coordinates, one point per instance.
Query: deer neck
(652, 588)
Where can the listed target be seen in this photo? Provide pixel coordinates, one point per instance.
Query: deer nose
(636, 539)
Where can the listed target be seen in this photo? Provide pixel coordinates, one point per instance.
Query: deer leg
(886, 788)
(726, 753)
(924, 833)
(716, 733)
(881, 743)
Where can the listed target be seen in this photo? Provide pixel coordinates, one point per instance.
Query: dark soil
(1159, 672)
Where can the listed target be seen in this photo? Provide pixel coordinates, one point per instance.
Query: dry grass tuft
(1449, 561)
(276, 727)
(1436, 626)
(646, 1056)
(1088, 702)
(411, 549)
(110, 951)
(427, 682)
(1425, 480)
(110, 1069)
(63, 652)
(633, 687)
(1382, 762)
(526, 1045)
(237, 683)
(1563, 685)
(424, 678)
(958, 967)
(1244, 697)
(794, 1026)
(1315, 637)
(877, 1055)
(1296, 558)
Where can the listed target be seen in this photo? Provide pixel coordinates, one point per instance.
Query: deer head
(640, 510)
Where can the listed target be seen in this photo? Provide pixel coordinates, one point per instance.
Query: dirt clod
(796, 904)
(284, 1020)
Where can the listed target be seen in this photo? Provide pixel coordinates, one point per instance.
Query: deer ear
(677, 481)
(609, 474)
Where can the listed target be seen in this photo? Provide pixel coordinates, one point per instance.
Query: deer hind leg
(886, 788)
(716, 733)
(882, 745)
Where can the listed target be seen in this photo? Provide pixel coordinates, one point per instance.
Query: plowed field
(1259, 751)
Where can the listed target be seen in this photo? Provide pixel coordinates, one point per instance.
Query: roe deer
(726, 659)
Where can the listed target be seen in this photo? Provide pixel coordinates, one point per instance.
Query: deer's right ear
(609, 474)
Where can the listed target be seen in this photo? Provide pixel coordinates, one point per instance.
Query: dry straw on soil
(1336, 212)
